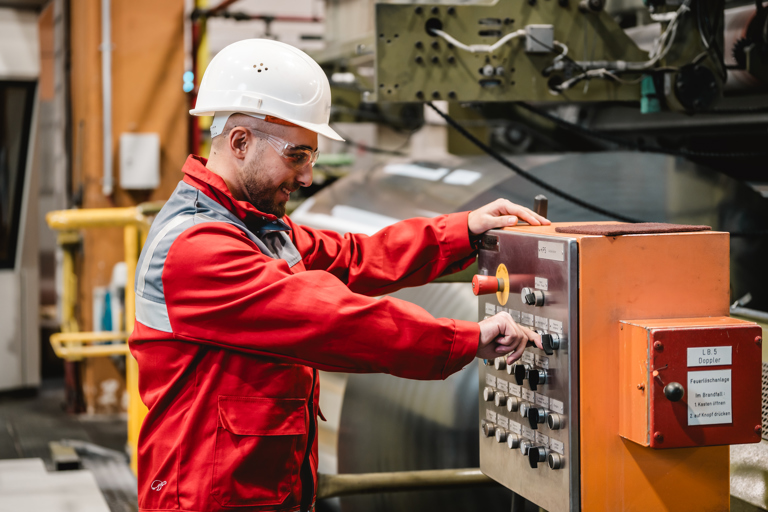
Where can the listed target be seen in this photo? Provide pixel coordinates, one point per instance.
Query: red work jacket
(235, 312)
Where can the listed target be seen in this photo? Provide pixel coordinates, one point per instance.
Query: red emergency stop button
(483, 285)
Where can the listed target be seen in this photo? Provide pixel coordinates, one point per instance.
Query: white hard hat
(261, 77)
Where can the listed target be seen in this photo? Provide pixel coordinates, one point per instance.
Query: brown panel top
(642, 228)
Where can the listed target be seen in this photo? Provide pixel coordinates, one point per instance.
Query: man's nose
(304, 177)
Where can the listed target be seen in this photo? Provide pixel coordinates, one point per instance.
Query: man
(237, 307)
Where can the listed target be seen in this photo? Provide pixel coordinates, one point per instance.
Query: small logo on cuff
(157, 485)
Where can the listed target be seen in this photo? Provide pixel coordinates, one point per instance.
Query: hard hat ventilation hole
(259, 67)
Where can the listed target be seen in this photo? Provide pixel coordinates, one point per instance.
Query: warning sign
(709, 397)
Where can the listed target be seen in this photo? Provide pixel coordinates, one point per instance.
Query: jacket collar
(212, 185)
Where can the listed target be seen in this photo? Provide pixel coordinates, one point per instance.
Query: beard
(262, 194)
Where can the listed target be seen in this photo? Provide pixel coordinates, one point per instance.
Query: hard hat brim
(319, 128)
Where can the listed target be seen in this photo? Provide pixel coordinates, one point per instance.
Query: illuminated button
(501, 435)
(555, 421)
(513, 441)
(531, 297)
(520, 370)
(500, 399)
(524, 446)
(513, 403)
(489, 429)
(536, 454)
(536, 378)
(536, 415)
(554, 461)
(485, 285)
(500, 363)
(488, 393)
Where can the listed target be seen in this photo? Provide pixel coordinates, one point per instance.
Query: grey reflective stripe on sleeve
(148, 257)
(152, 314)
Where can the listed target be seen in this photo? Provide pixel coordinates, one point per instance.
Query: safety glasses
(297, 157)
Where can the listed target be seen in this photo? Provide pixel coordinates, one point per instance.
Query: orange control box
(690, 382)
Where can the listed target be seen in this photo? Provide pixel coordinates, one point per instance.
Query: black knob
(536, 454)
(674, 391)
(521, 372)
(536, 378)
(536, 415)
(530, 299)
(546, 343)
(540, 203)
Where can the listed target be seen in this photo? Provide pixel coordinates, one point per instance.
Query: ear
(238, 142)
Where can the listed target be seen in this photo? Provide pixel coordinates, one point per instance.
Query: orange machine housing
(635, 277)
(660, 353)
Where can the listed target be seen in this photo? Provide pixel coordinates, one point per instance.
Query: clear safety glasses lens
(297, 157)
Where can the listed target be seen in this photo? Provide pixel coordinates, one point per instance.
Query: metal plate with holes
(555, 490)
(412, 65)
(765, 402)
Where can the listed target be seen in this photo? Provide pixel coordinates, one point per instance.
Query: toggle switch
(513, 403)
(489, 429)
(554, 461)
(531, 297)
(513, 441)
(488, 393)
(520, 371)
(500, 399)
(555, 421)
(536, 378)
(536, 415)
(536, 454)
(485, 285)
(550, 342)
(501, 435)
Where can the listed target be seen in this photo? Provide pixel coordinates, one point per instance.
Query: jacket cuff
(455, 242)
(466, 338)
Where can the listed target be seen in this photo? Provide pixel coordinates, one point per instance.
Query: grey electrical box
(539, 38)
(139, 161)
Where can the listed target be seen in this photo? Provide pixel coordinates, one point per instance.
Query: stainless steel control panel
(529, 436)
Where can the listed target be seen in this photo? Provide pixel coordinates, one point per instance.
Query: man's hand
(501, 213)
(500, 335)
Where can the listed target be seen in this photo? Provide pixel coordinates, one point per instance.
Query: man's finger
(534, 336)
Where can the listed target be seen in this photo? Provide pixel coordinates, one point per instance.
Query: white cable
(562, 55)
(479, 48)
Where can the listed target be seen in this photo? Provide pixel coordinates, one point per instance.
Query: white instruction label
(541, 438)
(515, 427)
(554, 251)
(500, 309)
(541, 283)
(557, 446)
(527, 358)
(556, 405)
(490, 309)
(541, 322)
(490, 380)
(542, 400)
(541, 361)
(529, 395)
(709, 356)
(528, 433)
(526, 319)
(514, 390)
(556, 326)
(490, 415)
(502, 385)
(515, 315)
(503, 421)
(709, 397)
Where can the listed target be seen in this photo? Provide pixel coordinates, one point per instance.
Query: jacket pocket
(256, 460)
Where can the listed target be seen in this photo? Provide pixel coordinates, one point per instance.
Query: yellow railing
(73, 345)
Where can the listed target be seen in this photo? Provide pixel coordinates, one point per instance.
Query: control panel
(529, 410)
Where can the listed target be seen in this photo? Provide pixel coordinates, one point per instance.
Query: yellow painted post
(136, 408)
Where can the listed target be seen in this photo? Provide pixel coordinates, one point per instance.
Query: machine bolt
(658, 346)
(451, 11)
(419, 59)
(419, 44)
(758, 429)
(420, 95)
(641, 386)
(435, 95)
(452, 95)
(759, 341)
(451, 59)
(435, 10)
(435, 45)
(659, 437)
(435, 59)
(419, 10)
